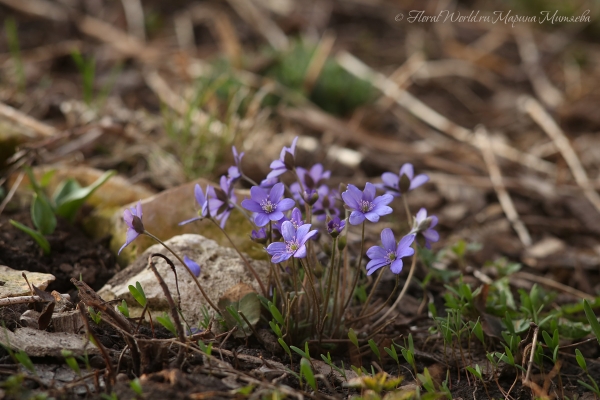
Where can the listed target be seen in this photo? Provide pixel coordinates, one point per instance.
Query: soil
(73, 254)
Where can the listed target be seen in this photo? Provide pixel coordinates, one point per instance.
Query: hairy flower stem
(327, 291)
(314, 290)
(404, 289)
(249, 180)
(371, 293)
(381, 306)
(408, 216)
(346, 303)
(248, 265)
(338, 270)
(208, 300)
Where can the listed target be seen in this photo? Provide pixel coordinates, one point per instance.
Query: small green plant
(136, 386)
(165, 321)
(307, 373)
(87, 69)
(65, 202)
(95, 316)
(329, 362)
(71, 361)
(138, 294)
(123, 308)
(205, 348)
(583, 364)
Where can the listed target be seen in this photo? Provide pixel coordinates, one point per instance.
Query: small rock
(13, 284)
(46, 344)
(222, 268)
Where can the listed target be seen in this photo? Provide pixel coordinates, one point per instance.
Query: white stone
(12, 283)
(221, 269)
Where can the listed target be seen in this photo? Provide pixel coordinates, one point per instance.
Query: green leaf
(138, 294)
(374, 348)
(352, 337)
(589, 313)
(299, 351)
(165, 321)
(392, 353)
(276, 314)
(285, 347)
(248, 305)
(42, 215)
(64, 189)
(580, 360)
(35, 235)
(307, 373)
(69, 204)
(35, 184)
(123, 308)
(24, 360)
(136, 386)
(70, 360)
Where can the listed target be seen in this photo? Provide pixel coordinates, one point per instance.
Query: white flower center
(267, 206)
(292, 246)
(366, 206)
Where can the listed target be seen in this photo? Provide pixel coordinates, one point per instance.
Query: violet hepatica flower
(294, 242)
(364, 204)
(267, 206)
(221, 201)
(403, 182)
(135, 227)
(268, 183)
(286, 161)
(390, 253)
(423, 226)
(192, 265)
(259, 236)
(202, 202)
(326, 203)
(335, 226)
(310, 179)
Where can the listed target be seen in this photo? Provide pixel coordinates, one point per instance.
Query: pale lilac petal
(308, 236)
(374, 268)
(275, 215)
(276, 193)
(406, 241)
(350, 200)
(434, 221)
(303, 230)
(258, 194)
(251, 205)
(384, 199)
(192, 265)
(260, 219)
(406, 252)
(390, 179)
(408, 170)
(369, 193)
(357, 217)
(276, 247)
(396, 266)
(388, 240)
(372, 216)
(130, 237)
(187, 221)
(293, 148)
(301, 252)
(376, 252)
(286, 204)
(128, 218)
(431, 235)
(288, 231)
(280, 257)
(200, 198)
(421, 215)
(139, 209)
(418, 181)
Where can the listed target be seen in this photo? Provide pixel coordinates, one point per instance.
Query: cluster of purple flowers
(270, 207)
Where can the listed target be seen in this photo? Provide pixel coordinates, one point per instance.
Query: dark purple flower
(259, 236)
(293, 244)
(221, 201)
(202, 202)
(286, 161)
(403, 182)
(135, 227)
(192, 265)
(335, 226)
(267, 206)
(365, 204)
(389, 253)
(423, 226)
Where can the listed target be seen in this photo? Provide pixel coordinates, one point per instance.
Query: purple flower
(135, 227)
(259, 236)
(268, 183)
(267, 206)
(233, 174)
(192, 265)
(293, 244)
(326, 204)
(335, 226)
(221, 200)
(403, 182)
(310, 179)
(237, 158)
(423, 226)
(202, 202)
(389, 253)
(365, 204)
(286, 161)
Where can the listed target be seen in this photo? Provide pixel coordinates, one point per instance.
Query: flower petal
(130, 237)
(138, 209)
(374, 268)
(375, 252)
(276, 247)
(258, 194)
(285, 204)
(192, 265)
(369, 193)
(261, 219)
(252, 205)
(396, 266)
(383, 200)
(187, 221)
(357, 217)
(418, 181)
(372, 216)
(421, 215)
(276, 193)
(431, 235)
(408, 170)
(390, 179)
(388, 240)
(128, 217)
(301, 252)
(288, 231)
